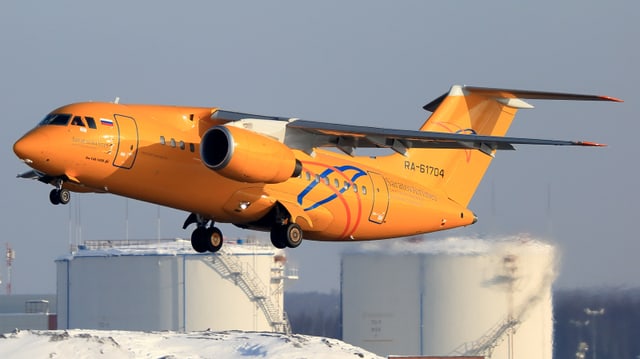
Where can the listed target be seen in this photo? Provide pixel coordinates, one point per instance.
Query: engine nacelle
(246, 156)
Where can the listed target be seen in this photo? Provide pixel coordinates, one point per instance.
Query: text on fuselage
(423, 168)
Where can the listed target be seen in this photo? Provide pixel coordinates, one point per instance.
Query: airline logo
(352, 219)
(322, 177)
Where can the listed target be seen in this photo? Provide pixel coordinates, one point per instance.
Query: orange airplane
(274, 174)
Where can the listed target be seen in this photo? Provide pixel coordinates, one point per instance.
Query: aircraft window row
(336, 183)
(180, 144)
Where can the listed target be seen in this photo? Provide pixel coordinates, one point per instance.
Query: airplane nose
(30, 146)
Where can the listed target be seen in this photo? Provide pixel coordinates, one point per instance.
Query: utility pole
(594, 313)
(582, 349)
(11, 255)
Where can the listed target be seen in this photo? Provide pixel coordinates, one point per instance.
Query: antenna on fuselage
(117, 100)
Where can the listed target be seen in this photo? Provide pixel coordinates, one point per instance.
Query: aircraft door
(127, 142)
(380, 193)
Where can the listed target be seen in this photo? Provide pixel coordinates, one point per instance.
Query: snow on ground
(79, 343)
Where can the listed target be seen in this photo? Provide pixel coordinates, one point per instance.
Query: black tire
(199, 240)
(293, 235)
(64, 196)
(277, 237)
(286, 236)
(54, 197)
(214, 239)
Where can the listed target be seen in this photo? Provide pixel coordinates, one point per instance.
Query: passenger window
(325, 180)
(181, 143)
(308, 176)
(77, 121)
(162, 140)
(364, 190)
(91, 122)
(336, 183)
(355, 188)
(192, 147)
(317, 179)
(172, 143)
(346, 185)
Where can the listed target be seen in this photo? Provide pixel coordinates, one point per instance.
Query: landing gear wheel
(214, 239)
(64, 195)
(206, 239)
(54, 197)
(59, 196)
(289, 235)
(199, 240)
(277, 237)
(293, 236)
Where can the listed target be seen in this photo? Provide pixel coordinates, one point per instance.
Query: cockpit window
(91, 122)
(60, 119)
(77, 121)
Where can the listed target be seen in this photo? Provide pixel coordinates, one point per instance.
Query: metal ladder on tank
(485, 345)
(245, 277)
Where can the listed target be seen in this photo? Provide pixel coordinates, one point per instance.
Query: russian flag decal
(106, 122)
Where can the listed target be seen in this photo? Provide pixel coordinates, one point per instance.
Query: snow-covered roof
(165, 247)
(451, 245)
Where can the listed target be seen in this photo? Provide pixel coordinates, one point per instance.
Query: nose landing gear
(59, 195)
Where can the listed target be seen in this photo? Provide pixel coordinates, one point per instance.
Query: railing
(485, 345)
(118, 243)
(230, 267)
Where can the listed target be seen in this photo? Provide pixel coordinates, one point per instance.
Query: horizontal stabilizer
(499, 93)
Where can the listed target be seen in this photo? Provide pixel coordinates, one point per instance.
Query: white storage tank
(450, 297)
(165, 285)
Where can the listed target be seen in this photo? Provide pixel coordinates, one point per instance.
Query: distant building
(27, 311)
(165, 285)
(453, 297)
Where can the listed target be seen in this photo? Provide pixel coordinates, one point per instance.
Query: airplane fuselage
(152, 153)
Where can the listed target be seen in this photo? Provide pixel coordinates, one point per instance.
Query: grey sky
(362, 62)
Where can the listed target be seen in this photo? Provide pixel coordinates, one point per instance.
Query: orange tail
(469, 112)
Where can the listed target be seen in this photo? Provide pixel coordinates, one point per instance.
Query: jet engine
(247, 156)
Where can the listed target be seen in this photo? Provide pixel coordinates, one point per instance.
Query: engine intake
(246, 156)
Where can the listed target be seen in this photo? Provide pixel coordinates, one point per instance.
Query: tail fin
(473, 110)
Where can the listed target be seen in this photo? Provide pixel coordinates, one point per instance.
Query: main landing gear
(206, 237)
(284, 232)
(286, 235)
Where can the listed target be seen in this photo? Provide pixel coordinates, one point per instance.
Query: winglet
(609, 98)
(590, 144)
